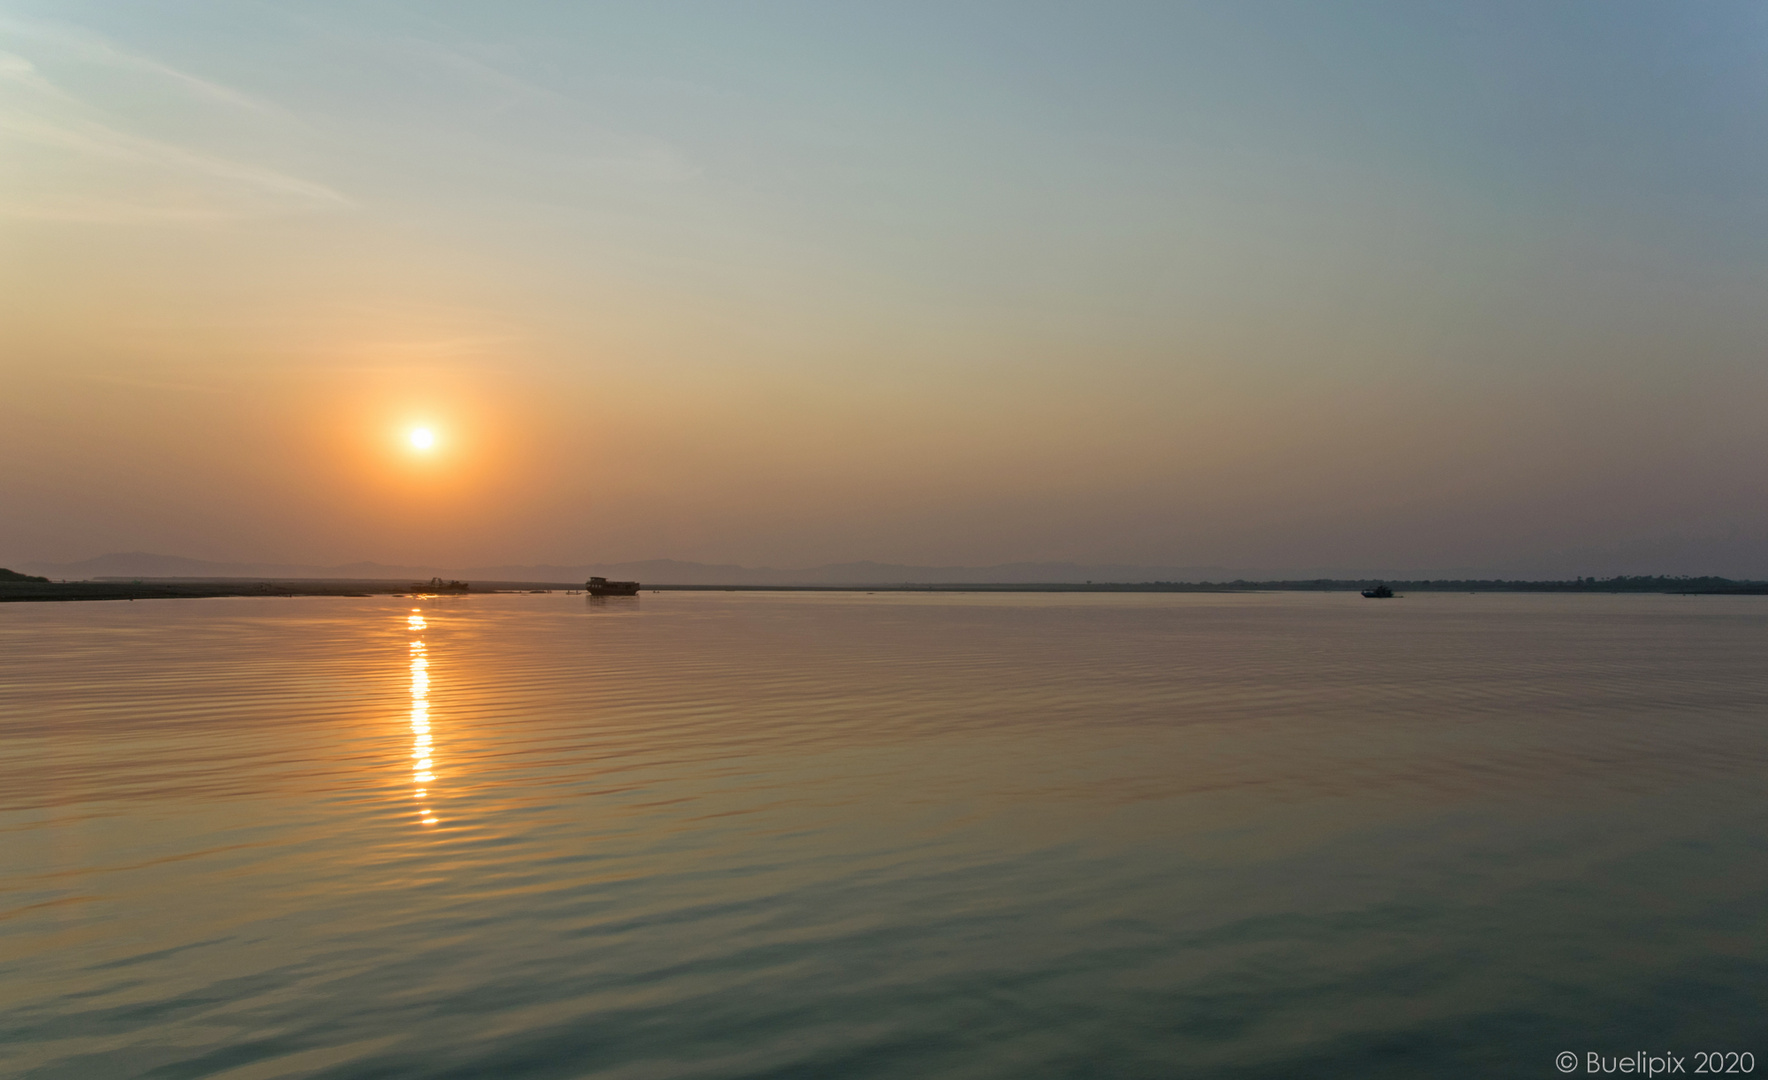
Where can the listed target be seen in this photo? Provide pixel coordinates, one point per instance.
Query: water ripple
(732, 835)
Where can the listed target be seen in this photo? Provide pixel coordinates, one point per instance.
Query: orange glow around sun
(404, 461)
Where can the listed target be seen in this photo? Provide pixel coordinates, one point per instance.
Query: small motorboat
(601, 586)
(1379, 592)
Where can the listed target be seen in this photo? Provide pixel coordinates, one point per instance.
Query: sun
(422, 438)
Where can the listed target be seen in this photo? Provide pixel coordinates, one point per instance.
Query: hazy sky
(1389, 285)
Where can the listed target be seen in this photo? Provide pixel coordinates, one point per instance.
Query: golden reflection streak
(422, 770)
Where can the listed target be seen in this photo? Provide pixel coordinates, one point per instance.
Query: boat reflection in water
(423, 762)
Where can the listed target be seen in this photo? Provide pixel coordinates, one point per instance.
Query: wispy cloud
(501, 86)
(74, 158)
(96, 50)
(614, 155)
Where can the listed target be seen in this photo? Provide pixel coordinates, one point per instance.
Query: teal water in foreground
(843, 835)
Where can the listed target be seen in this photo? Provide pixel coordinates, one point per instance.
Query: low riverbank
(191, 588)
(177, 589)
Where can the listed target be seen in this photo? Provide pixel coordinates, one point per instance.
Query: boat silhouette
(1379, 592)
(437, 585)
(601, 586)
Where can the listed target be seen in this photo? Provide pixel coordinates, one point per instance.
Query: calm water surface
(772, 835)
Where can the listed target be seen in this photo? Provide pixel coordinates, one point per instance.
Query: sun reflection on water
(423, 762)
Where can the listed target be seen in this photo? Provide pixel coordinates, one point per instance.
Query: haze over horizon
(1742, 560)
(1384, 286)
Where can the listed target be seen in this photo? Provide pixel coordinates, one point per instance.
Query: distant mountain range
(140, 564)
(1737, 556)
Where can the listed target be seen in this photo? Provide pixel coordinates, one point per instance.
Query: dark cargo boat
(1379, 592)
(601, 586)
(437, 585)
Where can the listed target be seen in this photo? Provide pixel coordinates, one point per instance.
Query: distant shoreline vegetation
(1641, 584)
(16, 587)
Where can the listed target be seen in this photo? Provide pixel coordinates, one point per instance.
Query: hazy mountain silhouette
(659, 571)
(1735, 556)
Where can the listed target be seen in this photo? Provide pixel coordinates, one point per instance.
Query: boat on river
(601, 586)
(437, 585)
(1379, 592)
